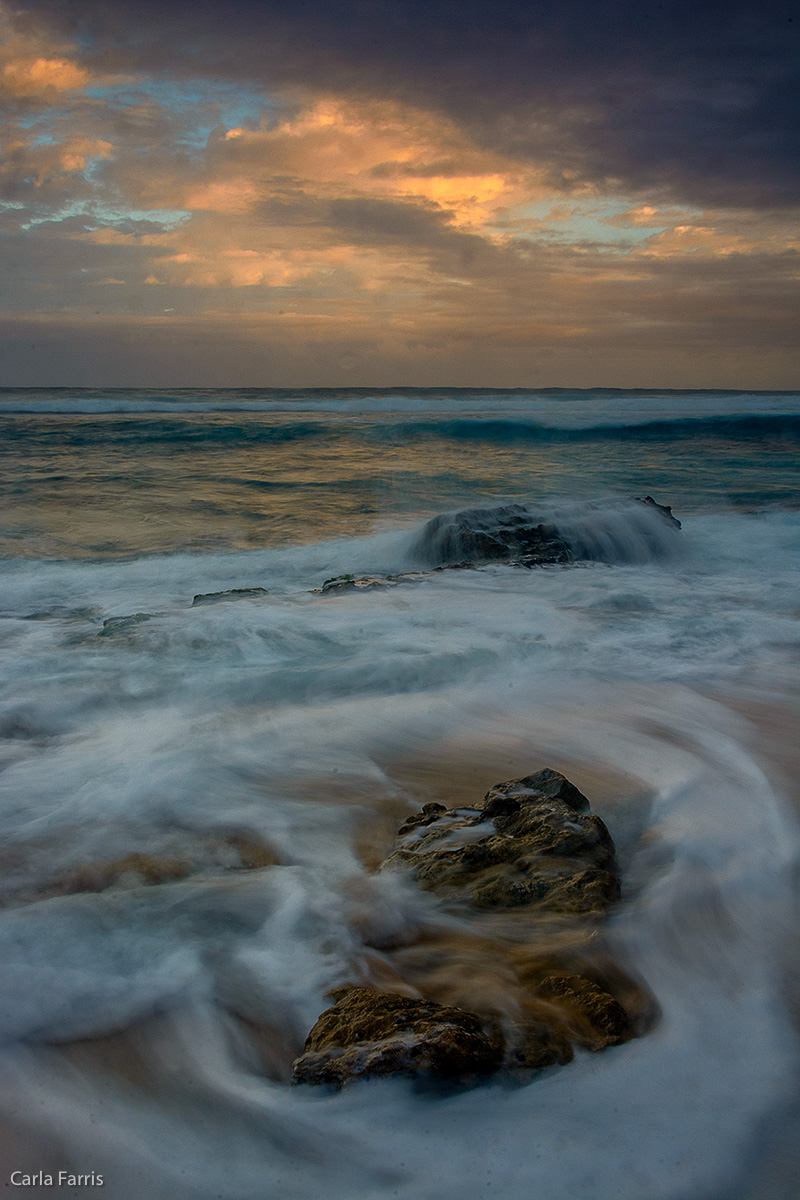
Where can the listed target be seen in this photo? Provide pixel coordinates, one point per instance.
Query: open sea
(147, 1032)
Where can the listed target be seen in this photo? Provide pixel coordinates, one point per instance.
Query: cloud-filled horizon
(387, 194)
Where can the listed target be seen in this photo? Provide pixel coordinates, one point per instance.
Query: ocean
(147, 1032)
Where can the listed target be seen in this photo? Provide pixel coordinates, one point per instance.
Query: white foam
(571, 411)
(276, 716)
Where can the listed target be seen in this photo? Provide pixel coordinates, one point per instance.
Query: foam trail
(667, 1117)
(148, 1031)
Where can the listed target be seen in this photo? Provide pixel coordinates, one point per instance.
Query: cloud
(38, 76)
(699, 101)
(529, 191)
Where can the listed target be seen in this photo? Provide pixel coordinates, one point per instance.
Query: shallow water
(147, 1031)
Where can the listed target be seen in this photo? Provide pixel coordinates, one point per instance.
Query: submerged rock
(508, 534)
(370, 1034)
(122, 625)
(629, 530)
(210, 856)
(535, 1045)
(368, 583)
(593, 1018)
(530, 841)
(232, 594)
(134, 870)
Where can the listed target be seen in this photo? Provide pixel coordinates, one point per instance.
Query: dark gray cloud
(709, 322)
(699, 101)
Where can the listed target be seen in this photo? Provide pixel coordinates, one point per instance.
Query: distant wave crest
(737, 428)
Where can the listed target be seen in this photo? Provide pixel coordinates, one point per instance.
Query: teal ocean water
(125, 473)
(660, 673)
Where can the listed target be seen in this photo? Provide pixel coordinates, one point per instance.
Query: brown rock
(536, 1045)
(134, 870)
(429, 814)
(531, 841)
(370, 1034)
(560, 889)
(251, 593)
(593, 1017)
(532, 870)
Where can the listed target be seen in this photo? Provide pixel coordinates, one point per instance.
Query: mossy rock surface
(370, 1034)
(531, 841)
(593, 1017)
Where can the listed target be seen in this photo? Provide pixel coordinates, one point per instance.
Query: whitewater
(147, 1032)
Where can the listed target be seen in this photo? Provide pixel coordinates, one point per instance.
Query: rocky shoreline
(507, 973)
(514, 534)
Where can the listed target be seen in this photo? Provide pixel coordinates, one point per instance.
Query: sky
(378, 193)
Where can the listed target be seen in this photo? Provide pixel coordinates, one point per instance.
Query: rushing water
(147, 1031)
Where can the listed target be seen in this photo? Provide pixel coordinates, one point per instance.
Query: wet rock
(635, 529)
(370, 1034)
(594, 1019)
(522, 976)
(429, 814)
(560, 889)
(62, 612)
(506, 533)
(356, 583)
(543, 783)
(534, 1045)
(530, 841)
(664, 509)
(601, 531)
(368, 583)
(122, 625)
(252, 593)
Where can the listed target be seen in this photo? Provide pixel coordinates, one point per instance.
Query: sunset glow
(331, 222)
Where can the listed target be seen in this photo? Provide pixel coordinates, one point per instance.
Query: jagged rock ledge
(531, 848)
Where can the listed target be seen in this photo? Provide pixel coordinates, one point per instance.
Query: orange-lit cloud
(35, 76)
(380, 231)
(723, 239)
(372, 149)
(33, 65)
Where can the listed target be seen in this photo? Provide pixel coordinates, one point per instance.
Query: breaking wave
(611, 531)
